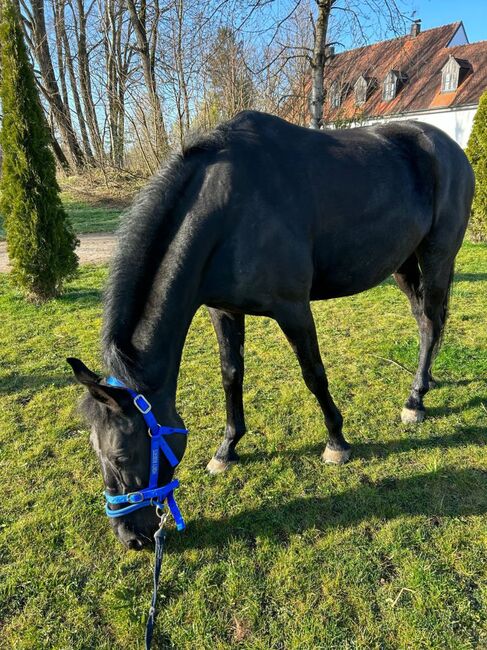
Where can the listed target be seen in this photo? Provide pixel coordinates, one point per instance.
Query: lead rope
(159, 539)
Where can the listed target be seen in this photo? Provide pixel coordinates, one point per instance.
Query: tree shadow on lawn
(15, 382)
(439, 411)
(459, 382)
(85, 296)
(470, 277)
(379, 449)
(445, 493)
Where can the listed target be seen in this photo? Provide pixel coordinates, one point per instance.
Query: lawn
(282, 552)
(87, 216)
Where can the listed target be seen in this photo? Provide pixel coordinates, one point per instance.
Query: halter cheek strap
(153, 495)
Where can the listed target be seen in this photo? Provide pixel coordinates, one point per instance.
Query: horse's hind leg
(437, 275)
(296, 321)
(230, 332)
(409, 279)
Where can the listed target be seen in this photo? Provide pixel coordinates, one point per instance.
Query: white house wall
(456, 122)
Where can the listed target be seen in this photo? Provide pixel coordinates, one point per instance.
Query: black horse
(261, 217)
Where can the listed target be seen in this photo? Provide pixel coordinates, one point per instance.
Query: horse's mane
(146, 225)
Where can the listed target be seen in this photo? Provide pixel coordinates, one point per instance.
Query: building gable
(459, 37)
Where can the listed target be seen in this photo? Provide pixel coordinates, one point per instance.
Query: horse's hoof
(412, 416)
(216, 466)
(335, 456)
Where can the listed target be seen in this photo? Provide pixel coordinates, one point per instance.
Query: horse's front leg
(230, 332)
(296, 321)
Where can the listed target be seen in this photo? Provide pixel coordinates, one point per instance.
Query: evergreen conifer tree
(477, 154)
(40, 239)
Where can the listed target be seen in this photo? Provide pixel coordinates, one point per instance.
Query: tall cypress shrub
(477, 154)
(40, 239)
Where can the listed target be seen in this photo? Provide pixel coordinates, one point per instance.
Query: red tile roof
(421, 59)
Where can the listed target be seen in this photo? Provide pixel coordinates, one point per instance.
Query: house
(436, 76)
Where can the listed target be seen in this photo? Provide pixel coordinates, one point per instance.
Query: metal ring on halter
(162, 516)
(149, 432)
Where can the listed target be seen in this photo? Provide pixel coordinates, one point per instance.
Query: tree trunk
(56, 9)
(68, 58)
(117, 61)
(318, 64)
(60, 157)
(85, 82)
(147, 55)
(50, 86)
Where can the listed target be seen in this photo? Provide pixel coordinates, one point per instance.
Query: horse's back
(329, 212)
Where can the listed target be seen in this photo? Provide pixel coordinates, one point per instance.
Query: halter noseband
(151, 495)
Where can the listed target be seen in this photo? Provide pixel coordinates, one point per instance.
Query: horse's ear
(116, 399)
(83, 374)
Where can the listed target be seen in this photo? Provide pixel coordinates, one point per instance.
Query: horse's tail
(445, 311)
(143, 239)
(453, 193)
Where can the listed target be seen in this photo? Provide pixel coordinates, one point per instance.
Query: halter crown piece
(151, 495)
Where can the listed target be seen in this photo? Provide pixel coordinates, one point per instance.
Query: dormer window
(392, 85)
(335, 95)
(449, 82)
(389, 90)
(453, 73)
(363, 87)
(360, 89)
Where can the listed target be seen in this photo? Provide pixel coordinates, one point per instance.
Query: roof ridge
(398, 38)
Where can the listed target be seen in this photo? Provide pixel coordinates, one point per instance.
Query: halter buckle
(141, 404)
(135, 497)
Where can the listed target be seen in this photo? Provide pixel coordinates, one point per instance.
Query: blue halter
(151, 495)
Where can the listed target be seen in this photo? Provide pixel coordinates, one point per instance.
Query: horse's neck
(154, 348)
(160, 334)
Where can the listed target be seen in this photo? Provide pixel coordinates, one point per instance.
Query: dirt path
(94, 248)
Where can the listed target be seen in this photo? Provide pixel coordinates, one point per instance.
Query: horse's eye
(120, 460)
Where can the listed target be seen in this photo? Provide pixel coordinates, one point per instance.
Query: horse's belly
(335, 285)
(349, 267)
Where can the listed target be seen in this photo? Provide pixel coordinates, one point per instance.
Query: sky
(473, 13)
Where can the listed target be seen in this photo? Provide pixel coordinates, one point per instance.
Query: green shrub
(40, 240)
(477, 154)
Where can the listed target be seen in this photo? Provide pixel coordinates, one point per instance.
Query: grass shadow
(33, 382)
(370, 450)
(440, 411)
(458, 382)
(87, 296)
(445, 493)
(470, 277)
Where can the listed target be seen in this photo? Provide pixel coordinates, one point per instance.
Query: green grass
(283, 552)
(86, 217)
(91, 218)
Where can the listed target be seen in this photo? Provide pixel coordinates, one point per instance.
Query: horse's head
(120, 439)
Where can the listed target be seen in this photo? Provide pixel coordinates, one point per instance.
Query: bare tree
(64, 50)
(39, 41)
(80, 18)
(118, 56)
(359, 15)
(147, 43)
(318, 63)
(124, 80)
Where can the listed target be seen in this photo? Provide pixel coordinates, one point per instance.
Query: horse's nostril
(134, 544)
